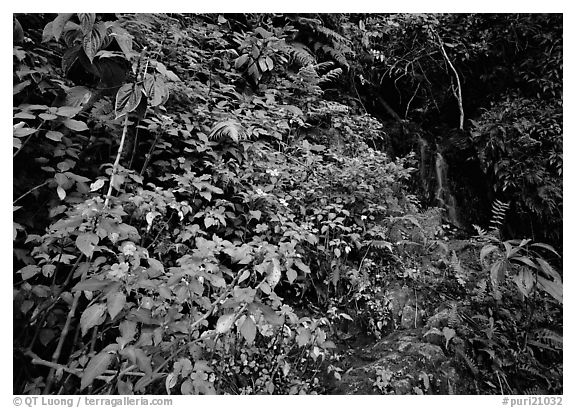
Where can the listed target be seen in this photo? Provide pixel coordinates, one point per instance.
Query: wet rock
(402, 387)
(411, 318)
(443, 318)
(398, 297)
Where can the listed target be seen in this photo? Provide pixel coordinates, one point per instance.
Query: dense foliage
(204, 204)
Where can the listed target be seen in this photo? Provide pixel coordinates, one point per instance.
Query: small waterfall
(443, 195)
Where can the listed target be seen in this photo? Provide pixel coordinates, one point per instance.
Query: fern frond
(336, 55)
(103, 110)
(481, 290)
(468, 360)
(301, 55)
(326, 65)
(334, 276)
(499, 209)
(331, 76)
(453, 317)
(480, 231)
(550, 338)
(332, 35)
(228, 128)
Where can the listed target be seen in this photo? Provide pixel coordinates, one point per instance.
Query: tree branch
(458, 93)
(116, 163)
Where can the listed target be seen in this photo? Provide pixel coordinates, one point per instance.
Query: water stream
(443, 195)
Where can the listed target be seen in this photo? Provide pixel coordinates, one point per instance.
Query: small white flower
(273, 173)
(129, 249)
(283, 202)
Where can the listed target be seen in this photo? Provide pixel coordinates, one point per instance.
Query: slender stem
(134, 147)
(30, 191)
(27, 140)
(116, 163)
(58, 351)
(357, 94)
(36, 360)
(410, 101)
(149, 154)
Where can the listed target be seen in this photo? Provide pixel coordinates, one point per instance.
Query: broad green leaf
(497, 272)
(553, 288)
(19, 87)
(29, 271)
(86, 242)
(97, 365)
(87, 21)
(143, 361)
(304, 268)
(125, 388)
(486, 250)
(24, 115)
(240, 61)
(156, 265)
(91, 285)
(262, 64)
(161, 68)
(61, 192)
(92, 316)
(256, 214)
(61, 179)
(271, 317)
(245, 275)
(75, 125)
(548, 269)
(123, 39)
(291, 274)
(155, 89)
(127, 99)
(248, 330)
(24, 131)
(525, 260)
(115, 302)
(224, 323)
(54, 135)
(93, 40)
(128, 329)
(545, 246)
(303, 337)
(48, 32)
(97, 185)
(274, 273)
(70, 57)
(59, 23)
(244, 294)
(524, 279)
(68, 111)
(448, 334)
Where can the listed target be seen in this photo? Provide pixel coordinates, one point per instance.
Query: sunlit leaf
(248, 330)
(87, 21)
(86, 243)
(93, 40)
(224, 323)
(127, 99)
(59, 23)
(92, 316)
(115, 302)
(97, 365)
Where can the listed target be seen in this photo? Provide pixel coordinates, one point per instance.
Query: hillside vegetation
(287, 204)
